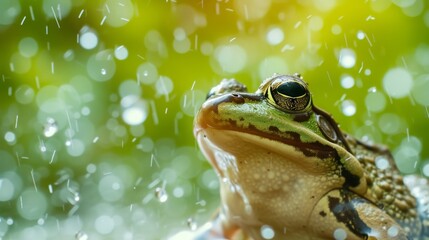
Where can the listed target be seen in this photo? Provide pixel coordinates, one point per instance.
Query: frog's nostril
(237, 98)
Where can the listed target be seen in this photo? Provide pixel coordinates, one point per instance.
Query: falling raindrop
(50, 127)
(81, 236)
(340, 234)
(267, 232)
(348, 107)
(192, 224)
(381, 162)
(161, 194)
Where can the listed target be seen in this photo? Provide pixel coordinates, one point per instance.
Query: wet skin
(284, 165)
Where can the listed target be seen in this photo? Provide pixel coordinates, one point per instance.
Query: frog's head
(275, 153)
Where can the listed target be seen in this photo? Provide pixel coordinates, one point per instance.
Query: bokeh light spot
(390, 123)
(420, 90)
(9, 10)
(231, 58)
(57, 8)
(129, 87)
(252, 10)
(101, 66)
(375, 101)
(271, 65)
(347, 81)
(31, 204)
(275, 36)
(147, 73)
(19, 63)
(121, 52)
(267, 232)
(28, 47)
(315, 23)
(7, 189)
(104, 224)
(347, 58)
(88, 39)
(111, 188)
(10, 137)
(24, 94)
(340, 234)
(118, 12)
(76, 148)
(348, 108)
(397, 82)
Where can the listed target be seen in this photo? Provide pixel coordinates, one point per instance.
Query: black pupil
(291, 89)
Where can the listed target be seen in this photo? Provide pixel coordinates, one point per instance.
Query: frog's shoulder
(386, 186)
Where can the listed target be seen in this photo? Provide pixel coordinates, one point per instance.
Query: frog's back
(406, 199)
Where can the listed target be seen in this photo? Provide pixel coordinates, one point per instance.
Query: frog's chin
(263, 180)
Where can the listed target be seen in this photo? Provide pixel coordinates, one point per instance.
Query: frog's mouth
(223, 147)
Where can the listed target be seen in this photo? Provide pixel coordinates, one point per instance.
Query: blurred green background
(97, 100)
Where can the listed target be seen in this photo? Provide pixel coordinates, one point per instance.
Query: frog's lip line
(312, 149)
(269, 143)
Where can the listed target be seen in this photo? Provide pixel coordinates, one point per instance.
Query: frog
(287, 171)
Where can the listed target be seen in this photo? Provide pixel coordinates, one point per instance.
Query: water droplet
(360, 35)
(393, 231)
(340, 234)
(111, 188)
(381, 162)
(9, 221)
(164, 85)
(135, 110)
(315, 23)
(10, 137)
(192, 224)
(101, 66)
(347, 58)
(32, 204)
(147, 73)
(104, 224)
(161, 194)
(50, 127)
(390, 123)
(76, 147)
(347, 81)
(91, 168)
(4, 227)
(24, 94)
(406, 159)
(7, 189)
(87, 38)
(348, 107)
(375, 101)
(28, 47)
(397, 82)
(81, 236)
(120, 12)
(121, 52)
(425, 169)
(41, 221)
(267, 232)
(420, 90)
(182, 46)
(275, 36)
(336, 29)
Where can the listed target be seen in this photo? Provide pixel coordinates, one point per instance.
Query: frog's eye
(289, 94)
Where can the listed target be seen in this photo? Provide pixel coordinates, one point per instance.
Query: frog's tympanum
(287, 171)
